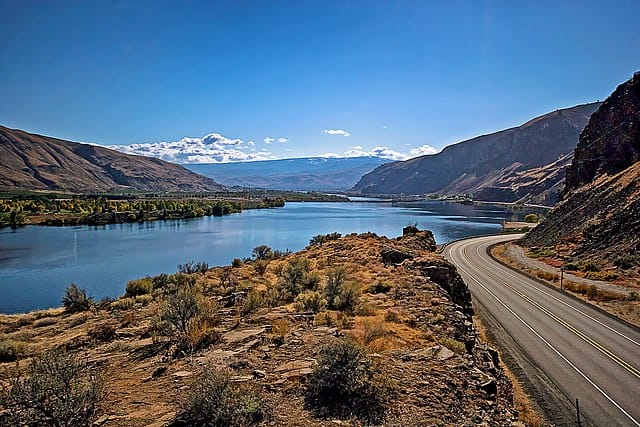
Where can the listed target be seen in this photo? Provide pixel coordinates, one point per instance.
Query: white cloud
(251, 144)
(383, 152)
(268, 140)
(282, 140)
(422, 150)
(212, 148)
(336, 132)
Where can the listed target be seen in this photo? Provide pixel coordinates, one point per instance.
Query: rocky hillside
(599, 216)
(524, 163)
(272, 326)
(35, 162)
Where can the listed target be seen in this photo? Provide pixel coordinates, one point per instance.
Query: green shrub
(454, 345)
(123, 303)
(294, 277)
(160, 281)
(180, 280)
(340, 294)
(188, 318)
(348, 298)
(379, 288)
(236, 263)
(75, 299)
(139, 287)
(571, 266)
(262, 252)
(602, 275)
(365, 309)
(320, 239)
(252, 302)
(58, 389)
(214, 400)
(589, 266)
(541, 253)
(11, 350)
(345, 384)
(627, 261)
(260, 266)
(336, 278)
(310, 301)
(531, 218)
(192, 267)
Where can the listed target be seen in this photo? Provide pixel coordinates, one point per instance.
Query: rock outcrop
(41, 163)
(599, 216)
(412, 318)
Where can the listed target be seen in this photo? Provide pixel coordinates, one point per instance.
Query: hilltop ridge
(524, 163)
(41, 163)
(599, 216)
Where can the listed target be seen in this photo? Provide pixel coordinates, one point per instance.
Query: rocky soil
(414, 318)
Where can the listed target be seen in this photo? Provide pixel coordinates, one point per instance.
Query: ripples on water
(38, 263)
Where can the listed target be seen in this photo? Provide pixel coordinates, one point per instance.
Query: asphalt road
(561, 348)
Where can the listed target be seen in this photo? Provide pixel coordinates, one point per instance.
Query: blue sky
(398, 75)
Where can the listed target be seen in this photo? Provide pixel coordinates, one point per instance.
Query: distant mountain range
(36, 162)
(300, 174)
(524, 163)
(599, 215)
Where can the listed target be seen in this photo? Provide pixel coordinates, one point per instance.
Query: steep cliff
(520, 163)
(35, 162)
(599, 216)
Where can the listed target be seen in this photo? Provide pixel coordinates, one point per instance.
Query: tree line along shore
(61, 209)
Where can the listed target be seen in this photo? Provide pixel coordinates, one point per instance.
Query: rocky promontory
(389, 314)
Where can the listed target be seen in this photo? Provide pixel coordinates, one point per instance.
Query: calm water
(38, 263)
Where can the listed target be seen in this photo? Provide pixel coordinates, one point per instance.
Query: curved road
(564, 349)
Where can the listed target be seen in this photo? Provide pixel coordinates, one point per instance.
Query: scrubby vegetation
(215, 400)
(188, 318)
(75, 299)
(238, 345)
(346, 384)
(57, 389)
(320, 239)
(11, 350)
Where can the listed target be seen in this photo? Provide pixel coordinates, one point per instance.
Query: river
(37, 263)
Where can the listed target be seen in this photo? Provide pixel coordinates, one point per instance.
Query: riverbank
(28, 208)
(269, 324)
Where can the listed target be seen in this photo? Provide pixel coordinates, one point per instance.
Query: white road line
(555, 350)
(520, 278)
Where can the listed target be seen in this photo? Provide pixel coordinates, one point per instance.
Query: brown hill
(36, 162)
(524, 163)
(599, 216)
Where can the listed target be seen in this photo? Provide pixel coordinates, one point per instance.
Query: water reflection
(38, 263)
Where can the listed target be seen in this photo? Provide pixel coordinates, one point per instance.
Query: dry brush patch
(153, 349)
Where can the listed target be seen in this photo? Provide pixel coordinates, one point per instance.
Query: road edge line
(570, 295)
